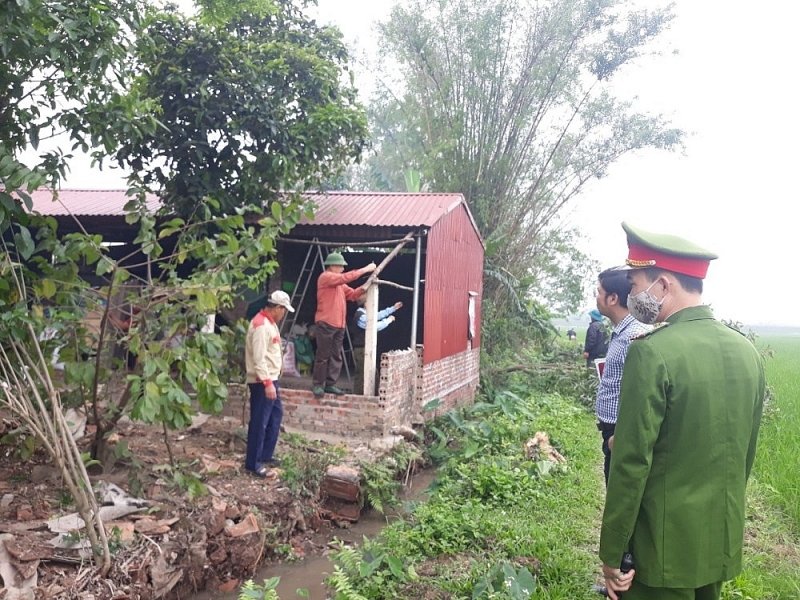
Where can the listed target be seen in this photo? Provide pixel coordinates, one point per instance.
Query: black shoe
(332, 389)
(262, 472)
(273, 462)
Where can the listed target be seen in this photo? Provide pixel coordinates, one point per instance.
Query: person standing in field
(596, 343)
(690, 407)
(264, 360)
(333, 293)
(613, 288)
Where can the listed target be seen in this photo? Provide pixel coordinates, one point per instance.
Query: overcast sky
(733, 191)
(731, 85)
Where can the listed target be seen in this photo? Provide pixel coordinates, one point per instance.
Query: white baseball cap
(281, 298)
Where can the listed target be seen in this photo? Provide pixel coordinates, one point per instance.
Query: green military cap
(335, 258)
(669, 252)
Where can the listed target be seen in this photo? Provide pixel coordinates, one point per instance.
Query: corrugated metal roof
(381, 209)
(83, 203)
(334, 208)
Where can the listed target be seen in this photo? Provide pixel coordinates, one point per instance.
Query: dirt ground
(172, 546)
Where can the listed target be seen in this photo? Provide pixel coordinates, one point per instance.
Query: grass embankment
(500, 525)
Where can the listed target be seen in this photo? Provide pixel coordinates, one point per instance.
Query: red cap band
(644, 256)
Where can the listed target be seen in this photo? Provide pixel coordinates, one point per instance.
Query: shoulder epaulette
(655, 328)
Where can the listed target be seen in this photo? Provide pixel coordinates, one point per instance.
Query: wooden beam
(371, 306)
(370, 340)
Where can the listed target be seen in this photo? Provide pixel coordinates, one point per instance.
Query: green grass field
(776, 462)
(772, 547)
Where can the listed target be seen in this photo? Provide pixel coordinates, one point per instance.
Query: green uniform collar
(693, 313)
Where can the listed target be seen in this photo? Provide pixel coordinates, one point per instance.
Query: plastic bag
(289, 363)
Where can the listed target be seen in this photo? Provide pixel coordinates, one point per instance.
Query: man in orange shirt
(331, 318)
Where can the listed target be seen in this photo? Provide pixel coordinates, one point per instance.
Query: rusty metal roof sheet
(381, 209)
(85, 202)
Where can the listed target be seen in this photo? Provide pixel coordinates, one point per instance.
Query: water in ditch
(310, 573)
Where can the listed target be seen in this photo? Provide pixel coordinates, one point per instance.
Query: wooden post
(371, 306)
(370, 340)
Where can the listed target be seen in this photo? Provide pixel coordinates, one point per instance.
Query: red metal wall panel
(453, 269)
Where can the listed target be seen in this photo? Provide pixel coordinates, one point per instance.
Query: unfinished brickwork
(349, 415)
(397, 387)
(404, 387)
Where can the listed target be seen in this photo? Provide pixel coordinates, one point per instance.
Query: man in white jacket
(264, 360)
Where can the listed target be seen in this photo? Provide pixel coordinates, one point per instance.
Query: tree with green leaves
(253, 109)
(230, 115)
(63, 74)
(509, 103)
(252, 104)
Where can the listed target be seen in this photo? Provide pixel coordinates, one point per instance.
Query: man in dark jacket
(596, 344)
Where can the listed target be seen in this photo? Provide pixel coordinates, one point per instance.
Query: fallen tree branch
(531, 369)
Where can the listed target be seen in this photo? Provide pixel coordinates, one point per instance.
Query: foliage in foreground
(498, 524)
(152, 295)
(219, 113)
(253, 591)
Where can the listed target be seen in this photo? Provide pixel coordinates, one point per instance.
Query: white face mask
(644, 306)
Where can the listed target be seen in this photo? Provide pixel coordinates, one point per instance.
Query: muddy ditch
(167, 545)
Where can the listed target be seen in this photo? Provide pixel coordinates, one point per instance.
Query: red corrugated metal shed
(453, 270)
(453, 248)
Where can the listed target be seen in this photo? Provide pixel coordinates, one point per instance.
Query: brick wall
(405, 386)
(349, 415)
(453, 380)
(397, 387)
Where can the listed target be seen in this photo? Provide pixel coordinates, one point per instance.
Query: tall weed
(776, 461)
(557, 367)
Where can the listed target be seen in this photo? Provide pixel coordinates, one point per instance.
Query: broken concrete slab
(74, 522)
(342, 481)
(247, 525)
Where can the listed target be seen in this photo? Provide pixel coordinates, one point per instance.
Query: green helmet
(335, 258)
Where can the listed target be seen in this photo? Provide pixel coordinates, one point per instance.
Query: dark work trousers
(328, 359)
(264, 427)
(606, 433)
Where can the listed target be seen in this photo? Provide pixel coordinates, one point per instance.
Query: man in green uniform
(689, 411)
